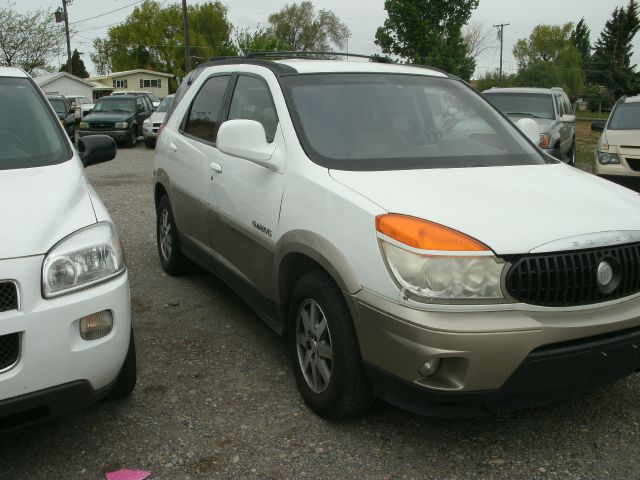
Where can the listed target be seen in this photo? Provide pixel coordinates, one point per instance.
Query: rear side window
(202, 119)
(252, 101)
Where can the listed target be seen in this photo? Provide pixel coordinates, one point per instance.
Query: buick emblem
(604, 274)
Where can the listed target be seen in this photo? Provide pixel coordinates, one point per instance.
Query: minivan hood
(41, 206)
(629, 138)
(510, 209)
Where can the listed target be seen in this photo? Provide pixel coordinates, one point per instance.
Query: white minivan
(408, 239)
(65, 325)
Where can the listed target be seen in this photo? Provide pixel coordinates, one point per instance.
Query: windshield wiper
(525, 114)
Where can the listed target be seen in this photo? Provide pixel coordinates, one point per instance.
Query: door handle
(173, 147)
(216, 167)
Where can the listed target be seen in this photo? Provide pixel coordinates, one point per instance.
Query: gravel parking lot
(216, 398)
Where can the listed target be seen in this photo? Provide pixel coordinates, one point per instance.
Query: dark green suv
(120, 117)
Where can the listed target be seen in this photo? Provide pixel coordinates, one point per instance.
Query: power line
(107, 13)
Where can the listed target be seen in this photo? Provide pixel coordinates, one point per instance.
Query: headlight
(84, 125)
(605, 158)
(84, 258)
(438, 263)
(122, 125)
(146, 123)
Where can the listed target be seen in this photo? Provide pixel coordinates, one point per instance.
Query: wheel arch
(160, 188)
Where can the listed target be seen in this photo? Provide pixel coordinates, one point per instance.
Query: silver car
(151, 124)
(552, 111)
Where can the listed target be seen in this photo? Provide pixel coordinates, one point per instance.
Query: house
(140, 79)
(63, 83)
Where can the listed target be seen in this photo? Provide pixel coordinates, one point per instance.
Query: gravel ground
(216, 398)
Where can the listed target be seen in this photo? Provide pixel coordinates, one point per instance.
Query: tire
(324, 350)
(132, 138)
(172, 259)
(126, 381)
(150, 143)
(572, 154)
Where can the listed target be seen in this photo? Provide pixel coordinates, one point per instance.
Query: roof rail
(557, 89)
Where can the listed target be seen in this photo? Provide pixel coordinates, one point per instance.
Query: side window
(202, 119)
(252, 101)
(559, 104)
(567, 105)
(139, 103)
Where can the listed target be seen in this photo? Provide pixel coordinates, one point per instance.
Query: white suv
(65, 324)
(408, 239)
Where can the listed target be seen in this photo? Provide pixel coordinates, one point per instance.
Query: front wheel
(132, 138)
(572, 154)
(324, 350)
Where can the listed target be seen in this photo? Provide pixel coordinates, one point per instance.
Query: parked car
(550, 108)
(65, 114)
(617, 155)
(151, 125)
(153, 98)
(65, 325)
(424, 255)
(81, 104)
(120, 117)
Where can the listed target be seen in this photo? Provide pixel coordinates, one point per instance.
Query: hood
(512, 210)
(42, 206)
(108, 117)
(618, 138)
(157, 117)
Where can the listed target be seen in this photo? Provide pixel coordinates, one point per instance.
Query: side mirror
(568, 118)
(96, 149)
(530, 129)
(247, 139)
(598, 126)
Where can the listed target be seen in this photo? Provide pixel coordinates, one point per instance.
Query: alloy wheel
(313, 343)
(165, 234)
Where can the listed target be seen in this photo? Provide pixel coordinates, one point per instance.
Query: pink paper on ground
(127, 474)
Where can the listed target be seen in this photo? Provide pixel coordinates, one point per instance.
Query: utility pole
(187, 52)
(500, 28)
(62, 16)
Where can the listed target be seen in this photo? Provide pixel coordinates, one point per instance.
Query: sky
(362, 17)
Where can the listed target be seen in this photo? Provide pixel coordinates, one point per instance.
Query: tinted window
(202, 119)
(389, 122)
(535, 105)
(58, 105)
(115, 104)
(626, 116)
(252, 101)
(29, 135)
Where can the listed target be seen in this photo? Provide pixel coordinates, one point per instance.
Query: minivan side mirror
(247, 139)
(530, 129)
(96, 149)
(598, 126)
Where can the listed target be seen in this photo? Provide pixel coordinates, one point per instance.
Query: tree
(476, 38)
(428, 32)
(491, 79)
(77, 66)
(28, 40)
(152, 37)
(302, 29)
(260, 40)
(548, 58)
(611, 65)
(581, 39)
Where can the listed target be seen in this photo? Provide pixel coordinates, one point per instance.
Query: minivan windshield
(534, 105)
(115, 104)
(30, 136)
(377, 121)
(626, 116)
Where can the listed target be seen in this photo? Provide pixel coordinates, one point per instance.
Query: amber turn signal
(425, 235)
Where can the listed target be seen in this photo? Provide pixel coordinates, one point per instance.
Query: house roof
(46, 79)
(131, 72)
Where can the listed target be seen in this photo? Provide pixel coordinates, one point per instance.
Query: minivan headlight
(84, 258)
(606, 158)
(437, 263)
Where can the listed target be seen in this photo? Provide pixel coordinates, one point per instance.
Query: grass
(585, 144)
(592, 115)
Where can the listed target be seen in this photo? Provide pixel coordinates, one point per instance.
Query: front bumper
(52, 352)
(117, 135)
(483, 354)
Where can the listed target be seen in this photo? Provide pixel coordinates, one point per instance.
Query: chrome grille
(8, 296)
(570, 278)
(9, 350)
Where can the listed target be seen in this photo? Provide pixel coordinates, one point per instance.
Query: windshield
(534, 105)
(153, 97)
(165, 104)
(626, 116)
(391, 122)
(30, 136)
(58, 105)
(115, 105)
